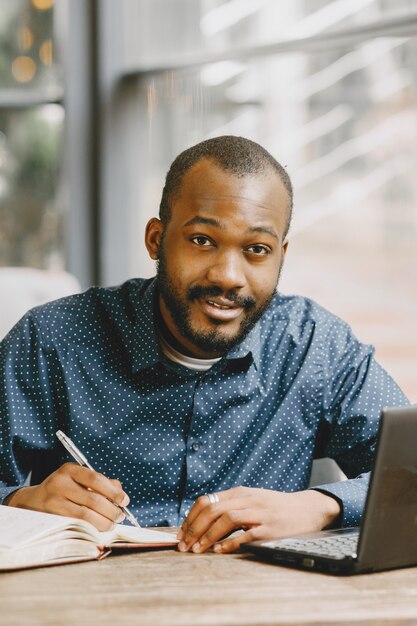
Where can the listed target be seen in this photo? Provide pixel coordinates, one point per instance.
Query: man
(204, 391)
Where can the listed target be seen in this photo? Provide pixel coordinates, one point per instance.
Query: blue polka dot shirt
(299, 386)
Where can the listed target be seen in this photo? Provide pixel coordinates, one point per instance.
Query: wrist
(16, 498)
(329, 508)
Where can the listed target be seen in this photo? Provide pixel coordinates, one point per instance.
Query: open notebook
(33, 539)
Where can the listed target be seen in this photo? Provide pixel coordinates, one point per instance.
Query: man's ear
(153, 234)
(284, 248)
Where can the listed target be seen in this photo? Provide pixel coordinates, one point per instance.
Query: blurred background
(97, 97)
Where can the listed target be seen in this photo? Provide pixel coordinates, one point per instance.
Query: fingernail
(125, 500)
(217, 547)
(182, 546)
(121, 517)
(196, 547)
(180, 534)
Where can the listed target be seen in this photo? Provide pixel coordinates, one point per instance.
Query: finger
(62, 487)
(198, 507)
(96, 502)
(230, 520)
(236, 494)
(198, 521)
(72, 509)
(203, 513)
(100, 484)
(59, 493)
(231, 544)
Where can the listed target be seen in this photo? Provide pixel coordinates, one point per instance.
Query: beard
(211, 341)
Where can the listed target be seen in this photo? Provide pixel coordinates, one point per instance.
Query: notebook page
(21, 527)
(130, 534)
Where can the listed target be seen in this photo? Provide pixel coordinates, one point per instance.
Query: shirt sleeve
(356, 389)
(26, 403)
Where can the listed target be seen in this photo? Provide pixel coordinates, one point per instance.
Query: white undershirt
(172, 354)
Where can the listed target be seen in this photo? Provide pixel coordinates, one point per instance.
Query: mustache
(198, 291)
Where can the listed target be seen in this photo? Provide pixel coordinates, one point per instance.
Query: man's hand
(261, 513)
(75, 491)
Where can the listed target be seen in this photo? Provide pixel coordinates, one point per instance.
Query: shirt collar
(249, 347)
(147, 351)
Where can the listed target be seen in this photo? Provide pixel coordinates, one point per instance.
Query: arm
(355, 390)
(29, 385)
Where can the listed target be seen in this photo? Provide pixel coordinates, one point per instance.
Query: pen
(80, 458)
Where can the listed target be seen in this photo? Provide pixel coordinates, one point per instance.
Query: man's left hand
(259, 513)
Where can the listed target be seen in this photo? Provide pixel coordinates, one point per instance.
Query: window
(330, 89)
(328, 86)
(31, 135)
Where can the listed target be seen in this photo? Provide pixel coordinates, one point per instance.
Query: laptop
(387, 537)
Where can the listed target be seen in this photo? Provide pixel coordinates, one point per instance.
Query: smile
(221, 310)
(221, 306)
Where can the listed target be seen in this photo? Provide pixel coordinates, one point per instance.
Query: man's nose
(227, 271)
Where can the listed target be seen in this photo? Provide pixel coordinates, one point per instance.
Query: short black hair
(238, 155)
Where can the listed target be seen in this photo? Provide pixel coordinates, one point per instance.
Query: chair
(22, 288)
(325, 471)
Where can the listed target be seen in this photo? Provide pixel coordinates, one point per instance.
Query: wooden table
(164, 587)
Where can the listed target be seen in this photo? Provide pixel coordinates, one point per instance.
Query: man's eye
(258, 250)
(200, 240)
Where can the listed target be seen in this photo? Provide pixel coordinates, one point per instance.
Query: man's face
(219, 256)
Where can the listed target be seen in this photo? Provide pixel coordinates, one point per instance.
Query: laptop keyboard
(336, 547)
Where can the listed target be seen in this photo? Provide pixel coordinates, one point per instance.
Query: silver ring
(213, 498)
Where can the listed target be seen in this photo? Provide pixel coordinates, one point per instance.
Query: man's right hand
(75, 491)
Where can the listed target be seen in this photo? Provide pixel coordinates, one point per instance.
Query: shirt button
(196, 446)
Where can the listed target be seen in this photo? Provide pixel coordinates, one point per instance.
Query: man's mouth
(220, 309)
(223, 305)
